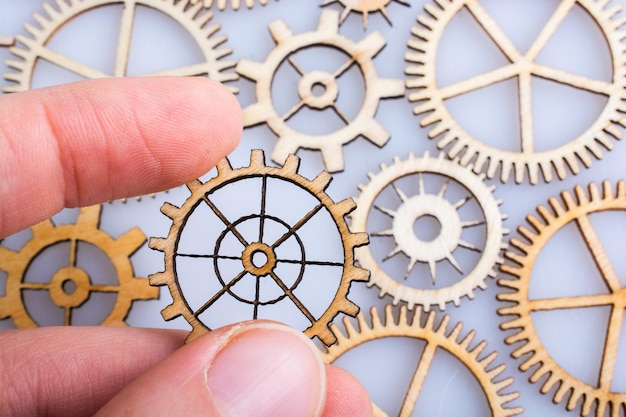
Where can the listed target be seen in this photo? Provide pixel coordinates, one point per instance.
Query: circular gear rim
(604, 131)
(85, 229)
(488, 204)
(520, 269)
(422, 325)
(326, 35)
(258, 168)
(190, 17)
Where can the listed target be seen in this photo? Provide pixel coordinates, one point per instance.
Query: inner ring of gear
(478, 190)
(430, 96)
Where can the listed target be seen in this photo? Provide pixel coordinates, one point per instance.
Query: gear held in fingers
(431, 97)
(267, 254)
(575, 209)
(438, 338)
(71, 285)
(404, 210)
(326, 36)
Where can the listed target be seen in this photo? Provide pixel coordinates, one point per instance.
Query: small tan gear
(422, 326)
(31, 49)
(431, 97)
(261, 242)
(361, 53)
(365, 7)
(449, 238)
(85, 230)
(576, 210)
(235, 4)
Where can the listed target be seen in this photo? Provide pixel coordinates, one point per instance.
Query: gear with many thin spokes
(409, 209)
(29, 50)
(438, 338)
(577, 209)
(326, 36)
(71, 285)
(365, 7)
(431, 97)
(256, 233)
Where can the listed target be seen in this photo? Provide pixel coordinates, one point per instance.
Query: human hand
(84, 143)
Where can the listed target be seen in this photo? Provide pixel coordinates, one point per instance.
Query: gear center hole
(69, 286)
(427, 227)
(318, 89)
(259, 259)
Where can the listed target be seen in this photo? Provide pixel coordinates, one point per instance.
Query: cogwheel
(431, 97)
(270, 273)
(191, 17)
(448, 239)
(221, 4)
(362, 53)
(365, 7)
(422, 326)
(577, 209)
(85, 230)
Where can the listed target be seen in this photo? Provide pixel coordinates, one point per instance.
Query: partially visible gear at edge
(423, 326)
(365, 7)
(235, 4)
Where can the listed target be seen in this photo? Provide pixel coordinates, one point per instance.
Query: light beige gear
(431, 97)
(442, 247)
(365, 7)
(192, 17)
(326, 35)
(200, 194)
(85, 230)
(235, 4)
(576, 211)
(422, 326)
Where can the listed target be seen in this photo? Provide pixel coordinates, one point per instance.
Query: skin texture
(88, 142)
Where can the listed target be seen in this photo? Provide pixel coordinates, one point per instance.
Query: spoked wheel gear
(196, 22)
(235, 4)
(361, 53)
(365, 7)
(449, 238)
(422, 326)
(270, 272)
(431, 96)
(85, 230)
(576, 211)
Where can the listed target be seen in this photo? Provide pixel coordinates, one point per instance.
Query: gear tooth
(170, 312)
(350, 330)
(170, 210)
(430, 321)
(620, 189)
(519, 173)
(376, 323)
(158, 243)
(507, 398)
(402, 315)
(131, 240)
(279, 31)
(326, 336)
(257, 159)
(537, 224)
(505, 172)
(292, 164)
(375, 133)
(249, 69)
(345, 206)
(568, 199)
(456, 332)
(480, 347)
(359, 239)
(349, 308)
(329, 22)
(321, 181)
(607, 190)
(193, 186)
(443, 326)
(196, 332)
(467, 340)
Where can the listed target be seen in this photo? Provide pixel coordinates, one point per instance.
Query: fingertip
(346, 395)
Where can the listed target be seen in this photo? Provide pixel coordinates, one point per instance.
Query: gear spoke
(444, 187)
(73, 253)
(226, 222)
(257, 298)
(582, 301)
(417, 382)
(211, 256)
(185, 71)
(226, 288)
(298, 225)
(292, 111)
(105, 288)
(598, 253)
(399, 192)
(125, 39)
(386, 211)
(263, 207)
(526, 113)
(550, 27)
(67, 317)
(611, 349)
(493, 30)
(295, 65)
(34, 286)
(293, 298)
(344, 68)
(480, 81)
(322, 263)
(576, 81)
(469, 246)
(340, 114)
(67, 63)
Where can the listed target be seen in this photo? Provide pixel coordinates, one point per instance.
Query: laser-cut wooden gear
(448, 240)
(365, 7)
(196, 21)
(86, 230)
(430, 96)
(201, 194)
(235, 4)
(423, 326)
(326, 35)
(576, 209)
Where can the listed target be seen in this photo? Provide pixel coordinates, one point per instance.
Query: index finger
(92, 141)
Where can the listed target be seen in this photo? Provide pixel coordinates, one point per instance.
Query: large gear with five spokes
(86, 230)
(431, 97)
(438, 338)
(197, 22)
(270, 272)
(326, 35)
(447, 241)
(577, 209)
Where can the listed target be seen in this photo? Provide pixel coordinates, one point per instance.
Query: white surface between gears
(574, 338)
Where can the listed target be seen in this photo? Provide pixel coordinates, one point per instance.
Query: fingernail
(268, 370)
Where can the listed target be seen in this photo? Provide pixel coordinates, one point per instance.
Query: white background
(574, 338)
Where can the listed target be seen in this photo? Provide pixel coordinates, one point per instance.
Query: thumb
(257, 368)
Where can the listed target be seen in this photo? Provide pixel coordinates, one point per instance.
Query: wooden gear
(235, 4)
(201, 194)
(431, 97)
(365, 7)
(192, 17)
(85, 230)
(422, 326)
(442, 247)
(361, 53)
(576, 210)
